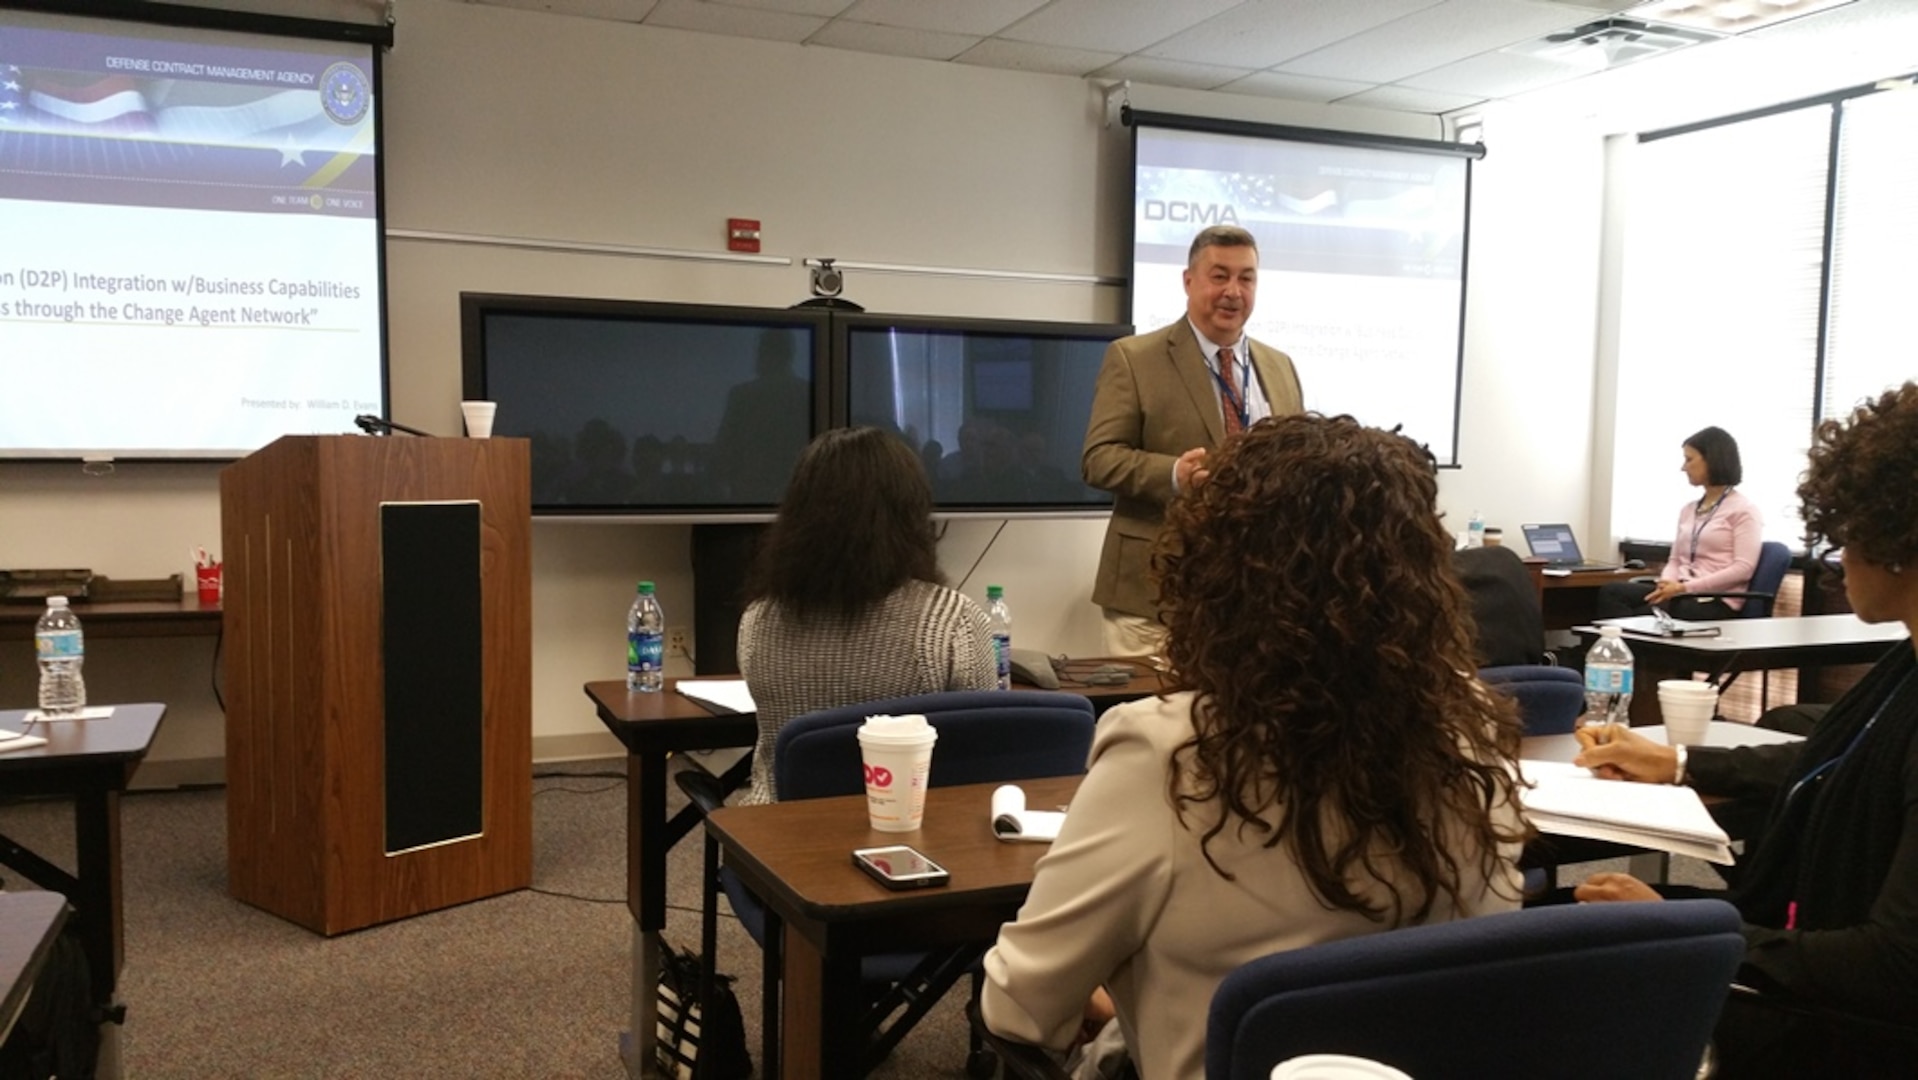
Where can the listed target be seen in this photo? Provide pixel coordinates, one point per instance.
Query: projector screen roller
(192, 257)
(1361, 261)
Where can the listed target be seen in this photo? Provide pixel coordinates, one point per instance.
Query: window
(1724, 260)
(1873, 321)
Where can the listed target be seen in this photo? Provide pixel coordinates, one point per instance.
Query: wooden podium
(378, 672)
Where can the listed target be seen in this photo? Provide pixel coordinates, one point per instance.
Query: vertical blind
(1874, 317)
(1724, 263)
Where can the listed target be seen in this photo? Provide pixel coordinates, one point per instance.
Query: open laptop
(1559, 548)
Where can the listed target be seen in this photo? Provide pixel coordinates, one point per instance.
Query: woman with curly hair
(1323, 764)
(847, 602)
(1830, 898)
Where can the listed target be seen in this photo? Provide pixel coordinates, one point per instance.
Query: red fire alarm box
(742, 234)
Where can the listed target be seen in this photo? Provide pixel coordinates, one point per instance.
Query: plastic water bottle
(999, 619)
(1475, 531)
(1608, 680)
(62, 650)
(645, 642)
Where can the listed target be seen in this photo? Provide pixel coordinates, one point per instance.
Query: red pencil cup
(209, 581)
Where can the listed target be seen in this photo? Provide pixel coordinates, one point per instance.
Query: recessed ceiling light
(1729, 16)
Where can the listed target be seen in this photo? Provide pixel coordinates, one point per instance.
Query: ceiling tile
(1022, 56)
(1434, 37)
(1294, 87)
(820, 8)
(1406, 99)
(733, 21)
(976, 17)
(1263, 33)
(892, 40)
(614, 10)
(1171, 72)
(1121, 26)
(1494, 74)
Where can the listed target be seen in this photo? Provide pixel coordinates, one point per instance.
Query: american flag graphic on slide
(202, 144)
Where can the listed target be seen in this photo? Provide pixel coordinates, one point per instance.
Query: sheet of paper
(728, 694)
(92, 712)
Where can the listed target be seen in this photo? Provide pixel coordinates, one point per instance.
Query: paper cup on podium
(897, 754)
(207, 578)
(1688, 707)
(479, 418)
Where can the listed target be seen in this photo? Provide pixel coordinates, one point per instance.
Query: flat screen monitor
(649, 410)
(191, 220)
(996, 408)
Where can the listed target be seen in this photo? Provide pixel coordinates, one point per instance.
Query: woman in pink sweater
(1717, 545)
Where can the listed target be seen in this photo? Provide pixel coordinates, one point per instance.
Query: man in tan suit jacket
(1161, 402)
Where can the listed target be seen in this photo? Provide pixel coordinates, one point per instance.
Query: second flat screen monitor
(996, 411)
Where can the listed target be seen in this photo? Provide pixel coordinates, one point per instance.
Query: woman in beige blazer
(1324, 766)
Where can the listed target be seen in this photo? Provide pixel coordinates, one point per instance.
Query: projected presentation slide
(191, 258)
(1361, 263)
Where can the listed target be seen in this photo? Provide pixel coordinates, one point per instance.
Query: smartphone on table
(900, 867)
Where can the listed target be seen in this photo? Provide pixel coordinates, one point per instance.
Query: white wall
(504, 123)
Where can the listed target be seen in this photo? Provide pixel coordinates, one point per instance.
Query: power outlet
(679, 642)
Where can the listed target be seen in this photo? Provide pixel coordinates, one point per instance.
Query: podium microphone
(374, 425)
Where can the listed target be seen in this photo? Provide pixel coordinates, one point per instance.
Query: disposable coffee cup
(1335, 1067)
(207, 581)
(897, 755)
(479, 418)
(1688, 707)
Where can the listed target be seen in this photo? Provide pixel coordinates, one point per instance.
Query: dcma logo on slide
(1191, 212)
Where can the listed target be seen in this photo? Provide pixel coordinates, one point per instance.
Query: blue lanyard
(1855, 740)
(1239, 402)
(1698, 526)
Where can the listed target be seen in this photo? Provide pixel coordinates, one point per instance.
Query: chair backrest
(1549, 698)
(1774, 559)
(1572, 991)
(1507, 610)
(984, 735)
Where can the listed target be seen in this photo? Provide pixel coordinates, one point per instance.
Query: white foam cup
(897, 755)
(1335, 1067)
(479, 418)
(1688, 707)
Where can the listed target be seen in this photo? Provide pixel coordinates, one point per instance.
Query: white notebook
(1570, 801)
(18, 740)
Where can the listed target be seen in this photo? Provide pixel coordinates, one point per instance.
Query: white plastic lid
(1610, 631)
(56, 601)
(1335, 1067)
(909, 730)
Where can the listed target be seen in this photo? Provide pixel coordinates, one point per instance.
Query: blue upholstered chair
(1549, 698)
(1571, 992)
(1507, 995)
(1761, 593)
(985, 736)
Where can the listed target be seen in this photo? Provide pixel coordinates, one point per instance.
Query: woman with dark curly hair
(847, 602)
(1830, 898)
(1323, 765)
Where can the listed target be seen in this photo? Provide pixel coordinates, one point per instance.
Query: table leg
(96, 831)
(819, 1026)
(646, 900)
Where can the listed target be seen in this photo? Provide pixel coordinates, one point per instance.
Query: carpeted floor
(531, 984)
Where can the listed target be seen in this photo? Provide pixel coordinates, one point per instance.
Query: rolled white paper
(1011, 821)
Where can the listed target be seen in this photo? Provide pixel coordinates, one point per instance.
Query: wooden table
(1571, 599)
(29, 922)
(89, 762)
(653, 727)
(185, 617)
(797, 857)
